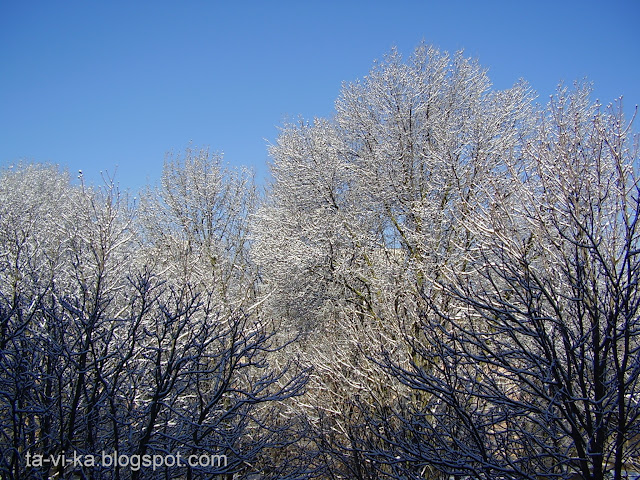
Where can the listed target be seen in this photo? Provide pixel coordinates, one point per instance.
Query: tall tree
(532, 369)
(369, 207)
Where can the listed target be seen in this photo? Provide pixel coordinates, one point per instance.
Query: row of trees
(132, 329)
(442, 280)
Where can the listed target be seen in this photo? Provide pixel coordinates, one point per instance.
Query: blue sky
(94, 85)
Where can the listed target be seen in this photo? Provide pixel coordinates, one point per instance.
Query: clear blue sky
(91, 85)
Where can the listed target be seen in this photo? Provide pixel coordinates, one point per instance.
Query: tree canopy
(440, 281)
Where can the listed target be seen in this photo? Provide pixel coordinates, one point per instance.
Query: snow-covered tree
(368, 207)
(104, 347)
(195, 224)
(532, 369)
